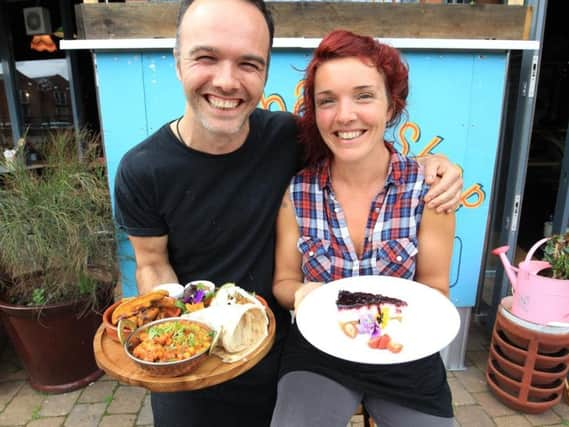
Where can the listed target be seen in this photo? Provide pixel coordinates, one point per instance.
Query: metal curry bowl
(162, 369)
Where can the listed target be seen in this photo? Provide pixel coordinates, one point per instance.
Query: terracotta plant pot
(548, 379)
(550, 364)
(510, 352)
(527, 363)
(54, 343)
(554, 350)
(514, 339)
(505, 366)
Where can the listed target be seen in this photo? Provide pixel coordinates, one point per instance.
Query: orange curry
(171, 341)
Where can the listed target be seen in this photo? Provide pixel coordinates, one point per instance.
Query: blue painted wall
(455, 108)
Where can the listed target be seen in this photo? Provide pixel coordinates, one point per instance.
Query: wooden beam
(312, 19)
(126, 20)
(315, 19)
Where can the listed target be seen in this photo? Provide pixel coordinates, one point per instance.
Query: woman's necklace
(178, 132)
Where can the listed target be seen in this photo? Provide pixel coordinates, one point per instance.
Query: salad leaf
(181, 305)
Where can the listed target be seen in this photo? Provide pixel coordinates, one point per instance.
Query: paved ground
(106, 403)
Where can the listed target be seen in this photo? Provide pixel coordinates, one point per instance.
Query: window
(44, 94)
(60, 97)
(24, 96)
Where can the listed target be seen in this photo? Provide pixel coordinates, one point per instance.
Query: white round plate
(430, 322)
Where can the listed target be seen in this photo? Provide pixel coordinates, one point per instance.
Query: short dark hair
(259, 4)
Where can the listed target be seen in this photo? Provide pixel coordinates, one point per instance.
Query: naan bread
(229, 294)
(240, 328)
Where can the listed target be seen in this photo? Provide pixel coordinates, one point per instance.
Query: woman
(357, 209)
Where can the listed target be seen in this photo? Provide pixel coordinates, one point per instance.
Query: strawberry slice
(381, 342)
(374, 341)
(384, 341)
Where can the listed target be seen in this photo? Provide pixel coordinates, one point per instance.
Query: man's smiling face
(222, 64)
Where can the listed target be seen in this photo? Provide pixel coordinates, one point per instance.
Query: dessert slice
(371, 315)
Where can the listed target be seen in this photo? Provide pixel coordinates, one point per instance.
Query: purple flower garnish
(198, 296)
(366, 324)
(376, 331)
(194, 296)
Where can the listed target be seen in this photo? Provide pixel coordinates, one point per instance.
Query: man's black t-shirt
(218, 211)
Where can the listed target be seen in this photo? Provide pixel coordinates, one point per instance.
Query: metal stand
(453, 354)
(516, 176)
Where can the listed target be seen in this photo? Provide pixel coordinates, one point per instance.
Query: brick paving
(107, 403)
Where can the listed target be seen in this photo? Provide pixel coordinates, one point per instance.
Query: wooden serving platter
(111, 358)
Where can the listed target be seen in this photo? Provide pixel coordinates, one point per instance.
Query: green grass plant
(56, 230)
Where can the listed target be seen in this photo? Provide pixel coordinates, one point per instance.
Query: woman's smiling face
(352, 108)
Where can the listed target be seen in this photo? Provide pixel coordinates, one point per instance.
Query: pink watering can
(537, 299)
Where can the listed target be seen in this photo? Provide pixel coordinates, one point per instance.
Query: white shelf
(310, 43)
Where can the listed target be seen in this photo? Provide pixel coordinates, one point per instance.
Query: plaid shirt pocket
(316, 262)
(397, 257)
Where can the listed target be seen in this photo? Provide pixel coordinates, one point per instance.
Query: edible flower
(368, 325)
(196, 295)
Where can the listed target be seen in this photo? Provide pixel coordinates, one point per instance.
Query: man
(199, 197)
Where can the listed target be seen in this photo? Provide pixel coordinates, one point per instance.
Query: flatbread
(229, 294)
(240, 328)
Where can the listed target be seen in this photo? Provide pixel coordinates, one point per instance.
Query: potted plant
(556, 253)
(58, 258)
(540, 287)
(530, 335)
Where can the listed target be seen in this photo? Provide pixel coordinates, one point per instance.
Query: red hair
(345, 44)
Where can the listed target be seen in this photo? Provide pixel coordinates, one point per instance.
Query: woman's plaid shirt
(390, 243)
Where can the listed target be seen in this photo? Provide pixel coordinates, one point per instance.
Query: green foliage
(38, 296)
(556, 252)
(56, 229)
(36, 413)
